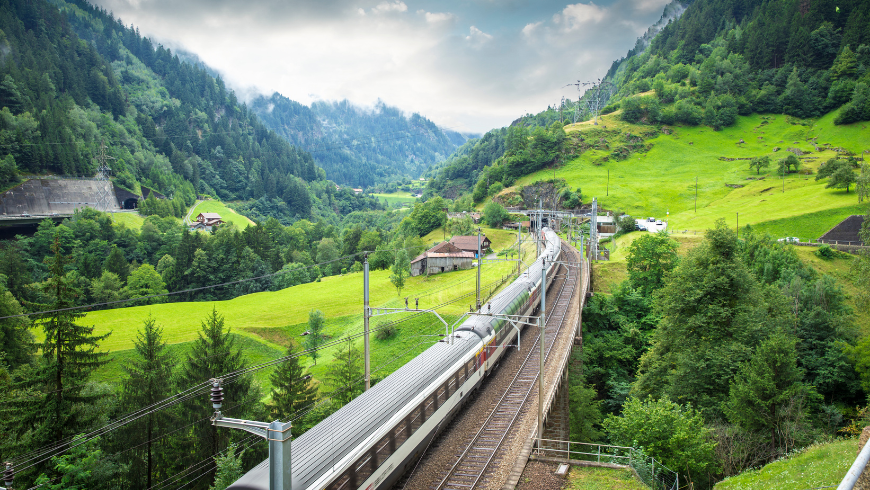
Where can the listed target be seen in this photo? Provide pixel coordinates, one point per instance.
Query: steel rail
(508, 406)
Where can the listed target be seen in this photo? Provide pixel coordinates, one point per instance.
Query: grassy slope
(265, 322)
(227, 214)
(134, 221)
(602, 479)
(396, 197)
(663, 179)
(819, 466)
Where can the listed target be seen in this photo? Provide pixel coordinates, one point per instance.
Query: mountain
(73, 78)
(358, 146)
(706, 62)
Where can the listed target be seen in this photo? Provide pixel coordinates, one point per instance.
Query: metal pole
(542, 322)
(366, 316)
(519, 246)
(696, 194)
(279, 457)
(479, 262)
(857, 468)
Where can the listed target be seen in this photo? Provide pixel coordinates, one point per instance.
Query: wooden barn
(443, 257)
(469, 243)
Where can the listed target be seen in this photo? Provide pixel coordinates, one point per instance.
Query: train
(372, 441)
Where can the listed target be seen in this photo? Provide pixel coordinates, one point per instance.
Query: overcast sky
(470, 65)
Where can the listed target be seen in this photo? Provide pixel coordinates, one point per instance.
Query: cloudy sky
(470, 65)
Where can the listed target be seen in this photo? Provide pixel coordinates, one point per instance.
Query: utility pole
(277, 433)
(696, 195)
(366, 315)
(608, 183)
(519, 246)
(479, 262)
(542, 322)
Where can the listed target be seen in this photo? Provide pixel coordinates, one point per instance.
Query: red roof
(468, 242)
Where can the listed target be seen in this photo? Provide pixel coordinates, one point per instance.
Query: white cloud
(477, 36)
(385, 7)
(530, 29)
(575, 16)
(436, 17)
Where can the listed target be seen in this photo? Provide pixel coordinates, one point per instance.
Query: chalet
(475, 217)
(206, 221)
(443, 257)
(357, 191)
(469, 243)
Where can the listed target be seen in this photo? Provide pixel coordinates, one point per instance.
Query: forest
(359, 146)
(724, 359)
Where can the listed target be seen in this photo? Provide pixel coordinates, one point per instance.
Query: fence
(651, 472)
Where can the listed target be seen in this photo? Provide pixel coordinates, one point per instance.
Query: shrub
(386, 332)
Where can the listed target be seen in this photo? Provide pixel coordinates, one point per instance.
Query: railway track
(470, 469)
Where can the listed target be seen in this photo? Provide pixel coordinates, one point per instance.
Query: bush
(386, 332)
(826, 252)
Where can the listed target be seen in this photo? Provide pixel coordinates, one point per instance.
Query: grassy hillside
(662, 180)
(819, 466)
(133, 221)
(602, 479)
(400, 197)
(227, 214)
(265, 322)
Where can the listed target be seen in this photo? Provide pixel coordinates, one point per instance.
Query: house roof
(846, 230)
(468, 242)
(209, 215)
(444, 249)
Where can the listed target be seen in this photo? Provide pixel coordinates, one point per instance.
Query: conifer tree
(69, 354)
(345, 374)
(292, 390)
(148, 382)
(213, 355)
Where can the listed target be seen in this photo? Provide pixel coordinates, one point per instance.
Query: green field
(819, 466)
(662, 180)
(403, 198)
(602, 479)
(265, 322)
(133, 221)
(227, 214)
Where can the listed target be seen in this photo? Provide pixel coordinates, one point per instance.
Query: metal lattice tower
(598, 94)
(104, 190)
(593, 231)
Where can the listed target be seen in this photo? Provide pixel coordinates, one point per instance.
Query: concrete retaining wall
(56, 196)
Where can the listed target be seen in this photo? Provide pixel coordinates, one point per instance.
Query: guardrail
(650, 471)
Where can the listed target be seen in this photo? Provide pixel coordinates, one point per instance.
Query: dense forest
(359, 146)
(75, 78)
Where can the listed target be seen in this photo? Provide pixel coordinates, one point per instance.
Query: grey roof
(323, 446)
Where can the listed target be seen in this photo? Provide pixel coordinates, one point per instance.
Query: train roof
(317, 451)
(321, 448)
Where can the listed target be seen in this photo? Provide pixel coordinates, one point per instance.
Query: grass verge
(602, 479)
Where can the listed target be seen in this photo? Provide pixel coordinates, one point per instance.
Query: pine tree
(148, 382)
(345, 374)
(292, 390)
(213, 355)
(117, 263)
(69, 354)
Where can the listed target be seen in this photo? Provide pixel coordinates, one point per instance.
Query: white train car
(371, 442)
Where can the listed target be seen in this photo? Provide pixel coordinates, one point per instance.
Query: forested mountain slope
(73, 77)
(359, 146)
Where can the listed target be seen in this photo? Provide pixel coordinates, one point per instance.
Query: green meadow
(264, 323)
(662, 181)
(227, 214)
(400, 197)
(818, 466)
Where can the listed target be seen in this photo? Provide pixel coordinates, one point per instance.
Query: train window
(364, 466)
(429, 407)
(442, 395)
(382, 450)
(416, 418)
(343, 482)
(401, 432)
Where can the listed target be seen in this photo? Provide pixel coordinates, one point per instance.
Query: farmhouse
(469, 243)
(206, 221)
(443, 257)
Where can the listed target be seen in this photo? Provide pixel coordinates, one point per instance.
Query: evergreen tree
(768, 395)
(229, 468)
(292, 390)
(214, 354)
(16, 341)
(117, 264)
(69, 355)
(345, 375)
(148, 381)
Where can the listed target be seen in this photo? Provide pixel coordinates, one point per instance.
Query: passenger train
(371, 442)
